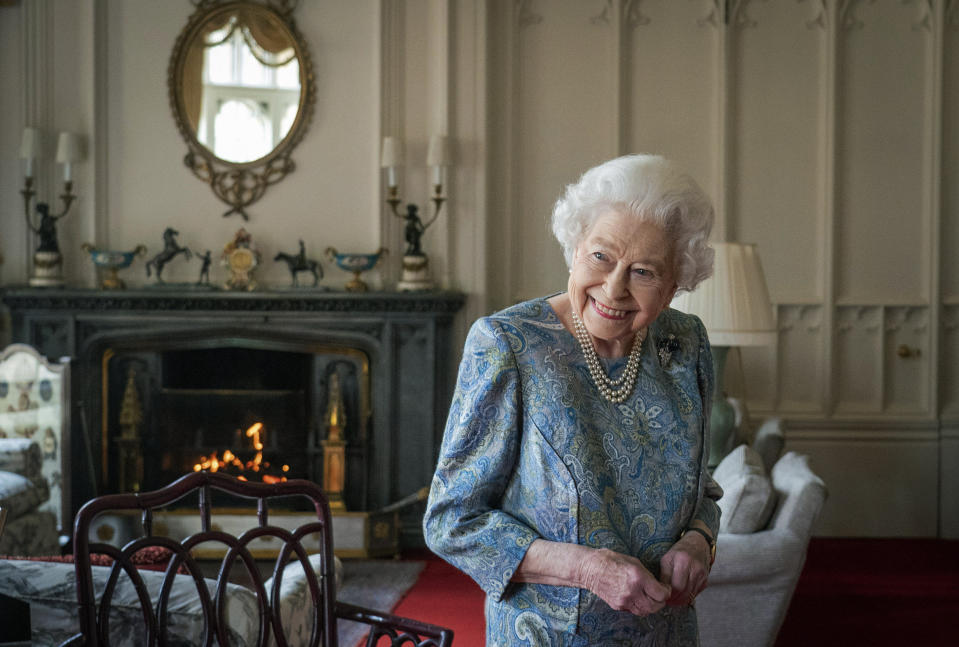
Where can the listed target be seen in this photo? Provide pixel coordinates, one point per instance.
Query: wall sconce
(47, 261)
(416, 270)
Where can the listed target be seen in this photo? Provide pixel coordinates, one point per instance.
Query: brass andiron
(128, 442)
(334, 447)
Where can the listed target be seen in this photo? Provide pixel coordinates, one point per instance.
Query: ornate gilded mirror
(242, 91)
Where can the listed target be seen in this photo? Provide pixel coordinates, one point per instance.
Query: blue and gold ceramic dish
(111, 262)
(356, 263)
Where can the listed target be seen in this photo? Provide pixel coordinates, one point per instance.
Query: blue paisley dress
(531, 450)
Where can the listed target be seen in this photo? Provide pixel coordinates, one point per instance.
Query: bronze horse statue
(170, 249)
(297, 263)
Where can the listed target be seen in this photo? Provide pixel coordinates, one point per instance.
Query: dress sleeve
(464, 523)
(707, 510)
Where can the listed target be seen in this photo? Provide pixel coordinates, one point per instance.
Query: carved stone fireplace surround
(404, 336)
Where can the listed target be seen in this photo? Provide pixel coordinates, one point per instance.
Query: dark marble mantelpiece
(406, 337)
(171, 299)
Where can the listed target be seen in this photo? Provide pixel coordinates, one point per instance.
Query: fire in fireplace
(233, 463)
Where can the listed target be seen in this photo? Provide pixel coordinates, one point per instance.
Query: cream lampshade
(391, 157)
(68, 152)
(735, 308)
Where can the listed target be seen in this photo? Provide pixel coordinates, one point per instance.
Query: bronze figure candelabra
(47, 260)
(416, 269)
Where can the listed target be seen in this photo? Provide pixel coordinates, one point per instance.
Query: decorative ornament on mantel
(240, 257)
(110, 262)
(356, 263)
(416, 274)
(171, 249)
(47, 260)
(299, 262)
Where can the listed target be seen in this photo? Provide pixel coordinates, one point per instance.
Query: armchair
(34, 482)
(756, 570)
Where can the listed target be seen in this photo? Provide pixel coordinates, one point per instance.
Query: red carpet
(875, 592)
(445, 596)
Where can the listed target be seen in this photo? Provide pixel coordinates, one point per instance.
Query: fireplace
(259, 408)
(162, 381)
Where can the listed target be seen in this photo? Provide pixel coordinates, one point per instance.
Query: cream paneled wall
(826, 131)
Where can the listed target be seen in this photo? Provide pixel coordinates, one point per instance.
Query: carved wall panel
(774, 152)
(858, 353)
(950, 155)
(670, 106)
(801, 374)
(884, 105)
(751, 374)
(906, 355)
(949, 352)
(572, 84)
(561, 105)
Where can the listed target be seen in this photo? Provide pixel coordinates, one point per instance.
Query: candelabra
(47, 260)
(416, 268)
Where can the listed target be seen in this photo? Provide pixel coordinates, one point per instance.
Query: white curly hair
(652, 189)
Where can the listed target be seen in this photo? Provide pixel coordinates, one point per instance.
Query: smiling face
(620, 280)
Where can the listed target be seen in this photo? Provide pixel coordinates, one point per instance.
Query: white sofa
(755, 574)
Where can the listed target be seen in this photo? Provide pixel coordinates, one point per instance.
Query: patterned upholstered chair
(34, 411)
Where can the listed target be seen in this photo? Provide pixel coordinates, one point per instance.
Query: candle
(391, 176)
(30, 148)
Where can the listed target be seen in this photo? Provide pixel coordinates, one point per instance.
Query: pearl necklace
(616, 391)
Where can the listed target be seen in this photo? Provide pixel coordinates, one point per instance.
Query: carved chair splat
(95, 615)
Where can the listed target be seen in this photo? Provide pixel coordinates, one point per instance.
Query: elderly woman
(572, 481)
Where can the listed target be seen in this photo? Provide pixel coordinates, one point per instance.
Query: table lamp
(735, 308)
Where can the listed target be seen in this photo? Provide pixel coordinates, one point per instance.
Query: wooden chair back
(94, 614)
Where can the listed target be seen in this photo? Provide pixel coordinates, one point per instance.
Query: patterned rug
(375, 584)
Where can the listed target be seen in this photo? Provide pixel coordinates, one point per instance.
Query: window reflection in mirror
(251, 88)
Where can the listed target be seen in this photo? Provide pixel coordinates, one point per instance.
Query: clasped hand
(626, 585)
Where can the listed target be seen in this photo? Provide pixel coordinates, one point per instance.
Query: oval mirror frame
(240, 184)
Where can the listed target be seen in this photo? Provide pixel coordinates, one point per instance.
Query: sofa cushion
(21, 455)
(769, 442)
(34, 533)
(19, 495)
(748, 496)
(296, 604)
